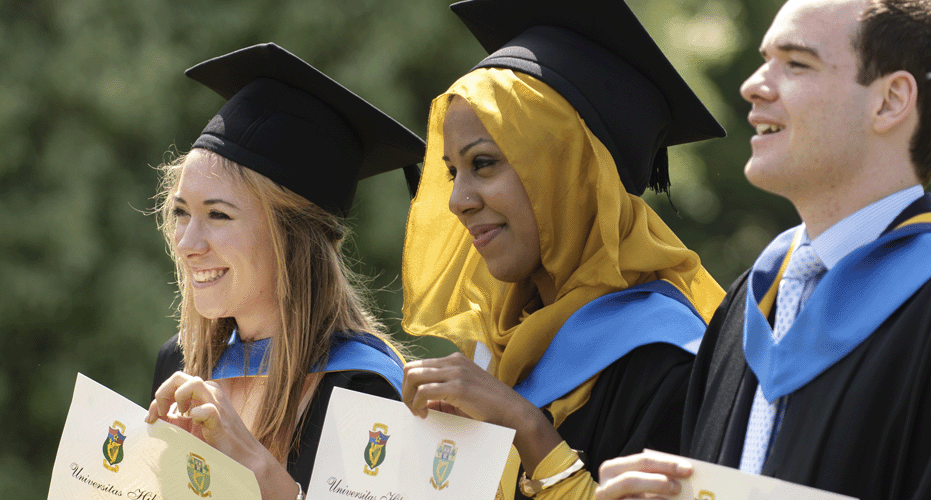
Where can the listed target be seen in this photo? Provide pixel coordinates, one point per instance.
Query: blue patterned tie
(799, 279)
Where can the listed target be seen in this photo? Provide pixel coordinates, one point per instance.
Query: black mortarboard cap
(599, 57)
(301, 129)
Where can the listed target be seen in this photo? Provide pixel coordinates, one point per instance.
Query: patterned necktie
(799, 279)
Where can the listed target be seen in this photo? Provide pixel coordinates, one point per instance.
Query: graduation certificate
(108, 451)
(375, 449)
(717, 482)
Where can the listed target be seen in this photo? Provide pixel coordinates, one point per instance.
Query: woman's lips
(484, 234)
(208, 276)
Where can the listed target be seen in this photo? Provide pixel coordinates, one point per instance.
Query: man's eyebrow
(794, 47)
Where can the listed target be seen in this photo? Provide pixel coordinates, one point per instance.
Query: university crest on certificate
(374, 449)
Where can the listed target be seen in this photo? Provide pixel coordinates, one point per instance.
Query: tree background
(92, 95)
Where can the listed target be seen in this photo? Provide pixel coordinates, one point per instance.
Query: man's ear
(897, 100)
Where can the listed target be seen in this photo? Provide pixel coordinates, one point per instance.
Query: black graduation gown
(636, 403)
(301, 460)
(860, 428)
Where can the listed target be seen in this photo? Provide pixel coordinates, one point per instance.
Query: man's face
(809, 112)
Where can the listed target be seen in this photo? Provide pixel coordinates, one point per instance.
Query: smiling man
(816, 369)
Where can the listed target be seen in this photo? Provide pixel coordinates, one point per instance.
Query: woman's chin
(209, 311)
(507, 274)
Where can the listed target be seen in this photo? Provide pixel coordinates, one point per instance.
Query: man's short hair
(896, 35)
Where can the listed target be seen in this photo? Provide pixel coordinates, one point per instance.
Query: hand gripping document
(108, 451)
(373, 448)
(717, 482)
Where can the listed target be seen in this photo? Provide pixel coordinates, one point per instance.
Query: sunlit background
(92, 95)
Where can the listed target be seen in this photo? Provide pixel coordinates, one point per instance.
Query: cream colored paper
(155, 459)
(717, 482)
(414, 462)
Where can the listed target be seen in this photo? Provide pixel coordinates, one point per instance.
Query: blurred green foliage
(92, 94)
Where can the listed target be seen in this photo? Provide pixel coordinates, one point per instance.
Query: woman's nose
(463, 198)
(190, 238)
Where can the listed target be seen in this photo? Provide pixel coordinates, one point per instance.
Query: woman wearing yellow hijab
(529, 247)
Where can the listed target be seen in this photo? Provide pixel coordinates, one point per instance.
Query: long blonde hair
(318, 295)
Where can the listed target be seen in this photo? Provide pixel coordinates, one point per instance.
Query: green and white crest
(198, 472)
(443, 463)
(113, 446)
(375, 449)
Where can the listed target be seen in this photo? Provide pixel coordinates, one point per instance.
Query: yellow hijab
(595, 238)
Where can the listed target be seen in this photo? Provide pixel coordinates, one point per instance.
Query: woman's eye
(798, 65)
(178, 212)
(218, 215)
(482, 162)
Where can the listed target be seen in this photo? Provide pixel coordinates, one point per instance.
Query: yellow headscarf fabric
(595, 238)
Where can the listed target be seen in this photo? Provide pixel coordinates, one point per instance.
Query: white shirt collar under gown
(863, 226)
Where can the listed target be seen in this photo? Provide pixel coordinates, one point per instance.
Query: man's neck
(822, 209)
(863, 226)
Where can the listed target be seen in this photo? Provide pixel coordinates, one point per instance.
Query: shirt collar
(863, 226)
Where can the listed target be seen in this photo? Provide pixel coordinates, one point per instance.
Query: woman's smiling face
(488, 196)
(223, 241)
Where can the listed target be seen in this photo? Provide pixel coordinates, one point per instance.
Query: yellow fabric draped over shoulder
(595, 238)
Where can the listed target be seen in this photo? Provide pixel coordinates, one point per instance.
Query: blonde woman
(270, 319)
(529, 246)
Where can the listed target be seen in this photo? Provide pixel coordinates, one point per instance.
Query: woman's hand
(201, 408)
(644, 475)
(457, 385)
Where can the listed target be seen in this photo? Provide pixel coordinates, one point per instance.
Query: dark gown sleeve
(301, 461)
(169, 360)
(718, 386)
(636, 403)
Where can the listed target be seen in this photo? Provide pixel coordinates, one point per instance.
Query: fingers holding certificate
(654, 474)
(644, 473)
(203, 409)
(457, 385)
